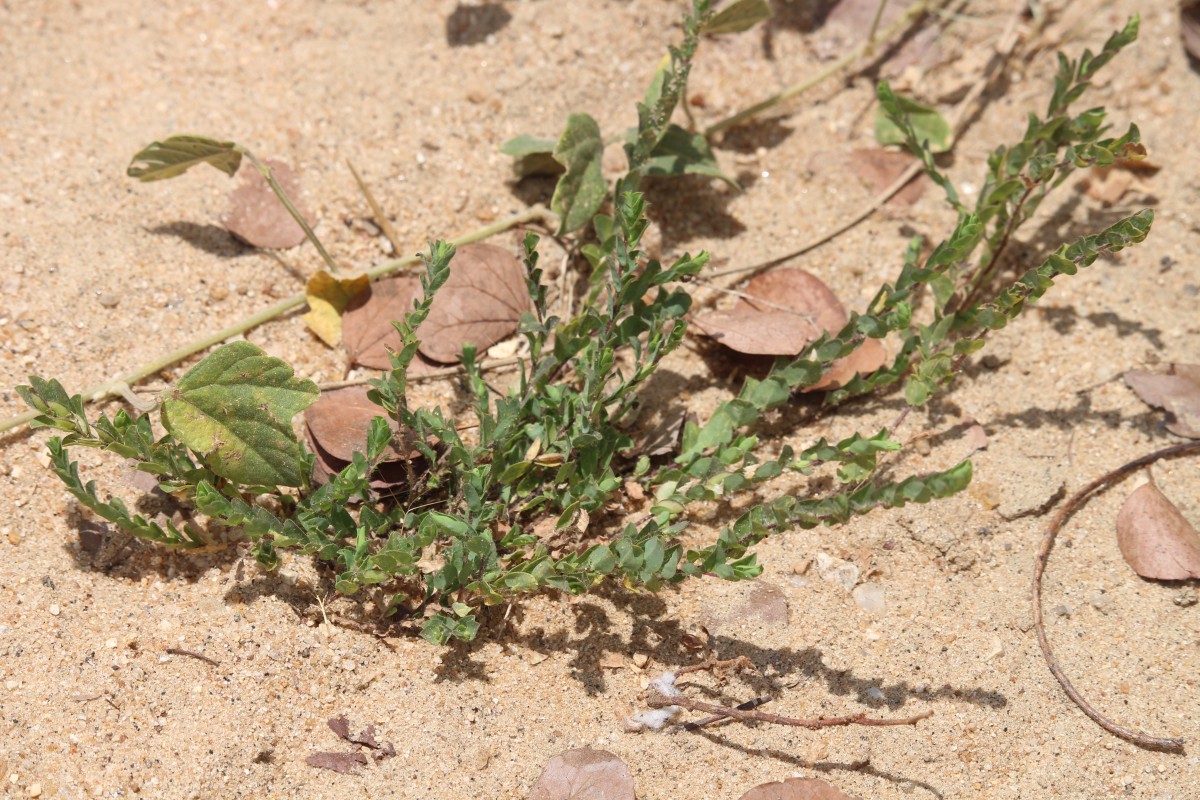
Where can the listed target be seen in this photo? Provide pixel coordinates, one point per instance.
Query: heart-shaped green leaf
(175, 155)
(235, 409)
(582, 190)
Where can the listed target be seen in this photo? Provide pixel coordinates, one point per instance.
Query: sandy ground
(100, 274)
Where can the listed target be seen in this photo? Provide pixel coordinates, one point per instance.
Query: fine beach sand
(101, 274)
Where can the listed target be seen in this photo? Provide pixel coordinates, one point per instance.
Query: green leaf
(235, 409)
(680, 152)
(175, 155)
(532, 156)
(928, 124)
(581, 190)
(737, 17)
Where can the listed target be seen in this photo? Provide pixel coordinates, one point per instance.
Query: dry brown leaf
(337, 425)
(367, 330)
(480, 304)
(875, 167)
(1155, 538)
(328, 298)
(1177, 392)
(758, 333)
(584, 774)
(255, 214)
(796, 789)
(870, 356)
(1189, 25)
(338, 762)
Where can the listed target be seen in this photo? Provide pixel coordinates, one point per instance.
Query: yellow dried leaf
(327, 299)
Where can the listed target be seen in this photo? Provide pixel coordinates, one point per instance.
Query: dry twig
(1064, 513)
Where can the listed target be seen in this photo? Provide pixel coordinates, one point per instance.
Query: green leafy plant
(468, 527)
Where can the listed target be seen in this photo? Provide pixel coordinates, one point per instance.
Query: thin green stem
(116, 386)
(911, 13)
(269, 177)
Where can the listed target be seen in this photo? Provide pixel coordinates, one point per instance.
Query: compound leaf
(235, 409)
(175, 155)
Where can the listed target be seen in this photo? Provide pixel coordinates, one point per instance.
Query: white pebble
(870, 597)
(55, 610)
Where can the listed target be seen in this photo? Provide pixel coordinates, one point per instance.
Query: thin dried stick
(1064, 513)
(658, 700)
(381, 219)
(715, 718)
(1003, 51)
(175, 651)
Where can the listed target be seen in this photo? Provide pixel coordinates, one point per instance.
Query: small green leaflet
(581, 191)
(682, 153)
(235, 409)
(737, 17)
(175, 155)
(928, 124)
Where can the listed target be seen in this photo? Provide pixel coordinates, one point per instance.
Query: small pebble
(111, 644)
(870, 597)
(1100, 601)
(35, 790)
(997, 649)
(14, 537)
(11, 685)
(640, 660)
(875, 693)
(55, 610)
(1061, 610)
(109, 300)
(348, 665)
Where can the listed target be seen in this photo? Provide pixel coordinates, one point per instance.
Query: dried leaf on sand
(584, 774)
(337, 426)
(875, 167)
(328, 298)
(255, 214)
(338, 762)
(480, 304)
(1155, 538)
(779, 314)
(1176, 391)
(796, 789)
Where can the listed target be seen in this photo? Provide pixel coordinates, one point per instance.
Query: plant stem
(115, 386)
(911, 13)
(269, 177)
(381, 219)
(875, 27)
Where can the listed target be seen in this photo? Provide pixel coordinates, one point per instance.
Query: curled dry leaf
(1177, 391)
(796, 789)
(255, 214)
(337, 426)
(480, 304)
(338, 762)
(584, 774)
(1155, 538)
(779, 314)
(328, 298)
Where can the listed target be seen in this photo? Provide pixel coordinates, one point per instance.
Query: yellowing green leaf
(327, 299)
(175, 155)
(235, 409)
(738, 16)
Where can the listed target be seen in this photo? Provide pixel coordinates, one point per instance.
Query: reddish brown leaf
(1177, 391)
(481, 303)
(796, 789)
(1155, 538)
(584, 774)
(367, 331)
(1189, 24)
(340, 726)
(870, 356)
(876, 168)
(338, 762)
(336, 426)
(255, 214)
(758, 333)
